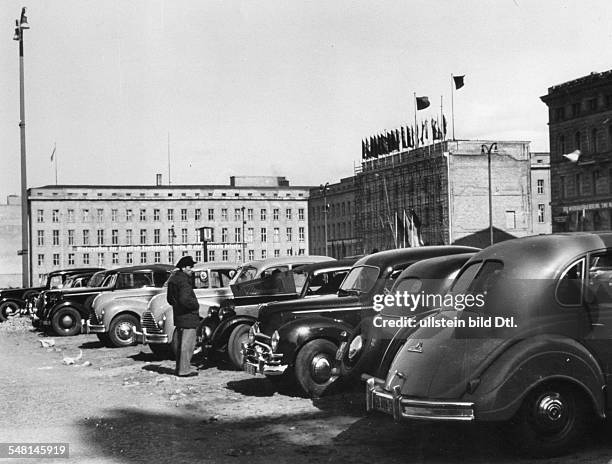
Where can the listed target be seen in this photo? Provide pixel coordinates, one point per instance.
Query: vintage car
(226, 330)
(65, 312)
(115, 316)
(13, 300)
(536, 354)
(298, 339)
(371, 346)
(157, 321)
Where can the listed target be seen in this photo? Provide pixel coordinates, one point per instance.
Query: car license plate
(383, 404)
(250, 368)
(340, 352)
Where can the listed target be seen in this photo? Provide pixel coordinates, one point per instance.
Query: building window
(289, 251)
(264, 234)
(157, 257)
(238, 234)
(250, 214)
(577, 140)
(100, 236)
(264, 254)
(71, 237)
(114, 237)
(562, 192)
(301, 252)
(86, 237)
(114, 215)
(289, 234)
(115, 258)
(593, 104)
(224, 214)
(40, 216)
(184, 236)
(157, 236)
(143, 236)
(100, 259)
(55, 215)
(262, 214)
(301, 214)
(224, 256)
(198, 214)
(237, 214)
(224, 235)
(510, 219)
(250, 233)
(578, 184)
(301, 233)
(211, 214)
(56, 259)
(55, 238)
(70, 259)
(559, 114)
(595, 176)
(211, 255)
(277, 253)
(128, 236)
(129, 215)
(171, 235)
(85, 258)
(575, 110)
(70, 215)
(100, 215)
(276, 237)
(198, 256)
(171, 256)
(288, 214)
(84, 215)
(143, 257)
(143, 215)
(594, 140)
(183, 214)
(541, 213)
(540, 186)
(170, 215)
(41, 260)
(156, 214)
(129, 258)
(275, 214)
(251, 255)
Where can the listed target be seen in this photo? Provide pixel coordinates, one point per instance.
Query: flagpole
(453, 104)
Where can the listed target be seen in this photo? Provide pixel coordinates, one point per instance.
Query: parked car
(537, 355)
(371, 345)
(297, 340)
(226, 330)
(65, 312)
(115, 316)
(13, 300)
(158, 320)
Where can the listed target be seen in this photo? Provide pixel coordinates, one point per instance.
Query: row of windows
(599, 184)
(334, 210)
(156, 194)
(335, 231)
(240, 214)
(579, 108)
(143, 238)
(145, 257)
(588, 141)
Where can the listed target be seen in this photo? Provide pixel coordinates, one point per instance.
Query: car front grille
(148, 322)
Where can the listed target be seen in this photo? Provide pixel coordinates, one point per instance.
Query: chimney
(158, 179)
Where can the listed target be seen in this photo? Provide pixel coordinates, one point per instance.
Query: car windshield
(214, 278)
(56, 281)
(325, 283)
(97, 279)
(360, 279)
(245, 273)
(134, 280)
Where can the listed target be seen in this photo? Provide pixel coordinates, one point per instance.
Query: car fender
(68, 304)
(222, 332)
(295, 334)
(124, 306)
(18, 301)
(501, 387)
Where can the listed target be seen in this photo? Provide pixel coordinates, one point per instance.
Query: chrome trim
(326, 310)
(95, 328)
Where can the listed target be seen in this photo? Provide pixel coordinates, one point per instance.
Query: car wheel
(8, 309)
(356, 358)
(551, 421)
(121, 330)
(162, 350)
(66, 322)
(239, 335)
(104, 338)
(313, 366)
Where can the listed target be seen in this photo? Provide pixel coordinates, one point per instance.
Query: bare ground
(125, 406)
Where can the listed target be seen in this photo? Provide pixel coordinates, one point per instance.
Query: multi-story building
(10, 242)
(580, 126)
(540, 193)
(444, 189)
(337, 220)
(117, 225)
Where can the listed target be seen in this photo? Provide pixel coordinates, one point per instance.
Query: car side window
(391, 279)
(599, 283)
(569, 288)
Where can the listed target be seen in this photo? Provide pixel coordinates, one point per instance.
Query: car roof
(341, 263)
(406, 255)
(300, 259)
(143, 267)
(541, 256)
(76, 270)
(212, 266)
(436, 268)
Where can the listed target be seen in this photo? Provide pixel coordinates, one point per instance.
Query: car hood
(307, 304)
(17, 292)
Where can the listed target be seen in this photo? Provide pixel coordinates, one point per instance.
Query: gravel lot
(125, 406)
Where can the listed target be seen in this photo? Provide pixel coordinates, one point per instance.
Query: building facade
(110, 226)
(443, 189)
(580, 126)
(540, 193)
(334, 223)
(10, 242)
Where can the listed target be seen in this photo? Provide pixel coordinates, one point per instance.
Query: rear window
(478, 278)
(569, 288)
(133, 280)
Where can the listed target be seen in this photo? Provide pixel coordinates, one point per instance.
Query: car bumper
(255, 363)
(402, 408)
(95, 328)
(148, 337)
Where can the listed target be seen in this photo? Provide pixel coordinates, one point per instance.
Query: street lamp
(489, 149)
(21, 25)
(324, 189)
(243, 236)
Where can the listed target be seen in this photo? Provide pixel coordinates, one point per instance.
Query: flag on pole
(422, 102)
(53, 153)
(459, 81)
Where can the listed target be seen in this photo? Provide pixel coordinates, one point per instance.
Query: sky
(224, 88)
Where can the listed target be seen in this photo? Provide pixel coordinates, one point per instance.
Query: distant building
(118, 225)
(10, 242)
(340, 216)
(540, 193)
(580, 126)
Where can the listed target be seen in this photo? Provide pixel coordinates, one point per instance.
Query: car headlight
(226, 311)
(102, 313)
(274, 340)
(251, 337)
(161, 322)
(213, 311)
(355, 346)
